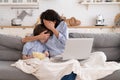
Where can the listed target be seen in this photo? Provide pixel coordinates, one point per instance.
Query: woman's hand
(49, 24)
(43, 36)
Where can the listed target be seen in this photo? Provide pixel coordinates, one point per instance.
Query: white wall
(87, 16)
(68, 8)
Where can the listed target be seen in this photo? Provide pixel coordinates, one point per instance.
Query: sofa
(11, 49)
(10, 52)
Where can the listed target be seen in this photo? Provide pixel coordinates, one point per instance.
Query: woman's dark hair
(40, 28)
(51, 15)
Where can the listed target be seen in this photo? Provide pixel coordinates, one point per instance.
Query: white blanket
(95, 67)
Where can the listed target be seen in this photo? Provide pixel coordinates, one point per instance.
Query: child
(37, 45)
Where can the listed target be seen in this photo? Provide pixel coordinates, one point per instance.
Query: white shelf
(96, 3)
(100, 3)
(19, 3)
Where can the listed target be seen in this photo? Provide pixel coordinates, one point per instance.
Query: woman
(52, 21)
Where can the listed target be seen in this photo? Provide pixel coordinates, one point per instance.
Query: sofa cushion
(10, 54)
(113, 76)
(108, 43)
(8, 72)
(112, 53)
(11, 41)
(100, 39)
(3, 47)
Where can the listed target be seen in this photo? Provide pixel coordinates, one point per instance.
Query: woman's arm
(63, 32)
(55, 32)
(60, 33)
(30, 38)
(42, 36)
(60, 30)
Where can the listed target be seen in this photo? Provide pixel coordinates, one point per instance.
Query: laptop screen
(78, 48)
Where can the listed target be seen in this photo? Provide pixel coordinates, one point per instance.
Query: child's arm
(26, 52)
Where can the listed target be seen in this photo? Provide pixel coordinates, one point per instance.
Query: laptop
(77, 48)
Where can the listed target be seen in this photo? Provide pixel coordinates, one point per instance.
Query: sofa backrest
(10, 47)
(109, 43)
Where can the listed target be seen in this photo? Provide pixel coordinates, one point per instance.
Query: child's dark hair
(40, 28)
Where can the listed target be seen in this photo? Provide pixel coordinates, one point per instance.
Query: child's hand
(30, 56)
(46, 53)
(27, 56)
